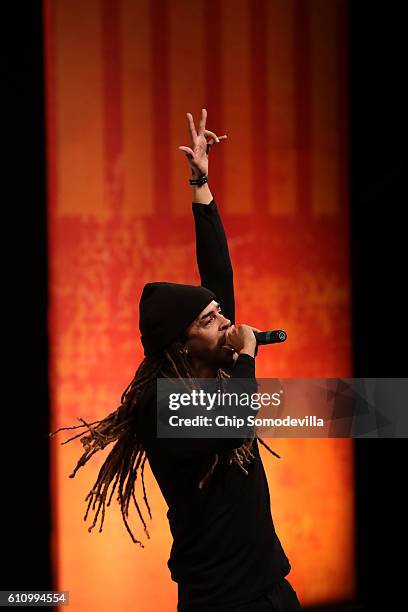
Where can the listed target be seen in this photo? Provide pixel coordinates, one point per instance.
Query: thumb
(187, 151)
(230, 330)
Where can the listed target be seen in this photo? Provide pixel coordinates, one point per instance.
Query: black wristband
(199, 181)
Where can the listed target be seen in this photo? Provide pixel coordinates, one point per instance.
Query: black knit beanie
(166, 310)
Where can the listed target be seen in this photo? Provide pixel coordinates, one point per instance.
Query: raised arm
(213, 259)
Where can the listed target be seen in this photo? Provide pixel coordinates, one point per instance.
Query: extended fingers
(201, 127)
(191, 126)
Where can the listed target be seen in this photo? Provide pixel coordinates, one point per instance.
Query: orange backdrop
(121, 75)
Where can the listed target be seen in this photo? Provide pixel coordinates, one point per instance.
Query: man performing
(226, 555)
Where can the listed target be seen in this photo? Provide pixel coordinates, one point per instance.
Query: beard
(226, 356)
(216, 357)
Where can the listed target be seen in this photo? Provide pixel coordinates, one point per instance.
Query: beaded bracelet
(199, 181)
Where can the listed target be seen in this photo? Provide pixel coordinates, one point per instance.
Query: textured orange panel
(79, 118)
(120, 77)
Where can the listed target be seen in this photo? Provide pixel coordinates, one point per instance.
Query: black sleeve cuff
(210, 206)
(244, 367)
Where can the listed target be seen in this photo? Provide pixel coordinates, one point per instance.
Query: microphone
(270, 337)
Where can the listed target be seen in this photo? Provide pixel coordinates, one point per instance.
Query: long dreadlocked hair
(128, 455)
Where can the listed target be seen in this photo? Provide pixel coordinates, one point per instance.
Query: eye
(211, 319)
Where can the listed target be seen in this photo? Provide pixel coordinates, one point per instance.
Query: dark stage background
(378, 200)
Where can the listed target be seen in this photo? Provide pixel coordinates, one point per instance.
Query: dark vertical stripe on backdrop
(112, 102)
(259, 106)
(301, 66)
(162, 198)
(214, 92)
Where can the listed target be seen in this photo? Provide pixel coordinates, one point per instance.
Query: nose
(226, 323)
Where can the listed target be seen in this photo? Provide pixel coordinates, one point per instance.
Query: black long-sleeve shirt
(225, 549)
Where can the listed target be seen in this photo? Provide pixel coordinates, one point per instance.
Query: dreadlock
(122, 464)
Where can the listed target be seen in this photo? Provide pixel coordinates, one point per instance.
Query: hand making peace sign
(198, 154)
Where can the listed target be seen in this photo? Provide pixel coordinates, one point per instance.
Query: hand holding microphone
(246, 339)
(242, 339)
